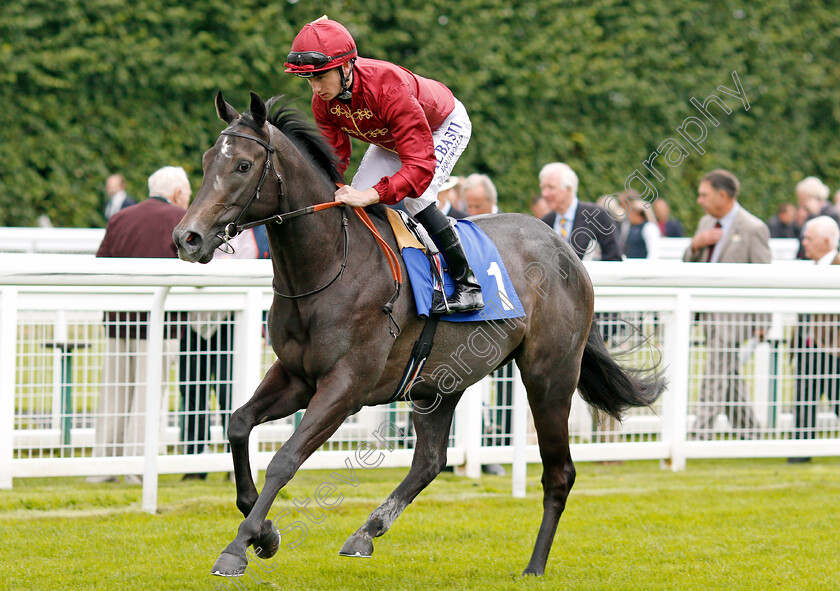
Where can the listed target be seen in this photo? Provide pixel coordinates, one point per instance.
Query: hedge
(99, 86)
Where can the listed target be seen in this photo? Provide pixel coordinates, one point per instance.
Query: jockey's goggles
(316, 59)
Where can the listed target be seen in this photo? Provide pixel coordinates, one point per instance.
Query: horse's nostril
(191, 238)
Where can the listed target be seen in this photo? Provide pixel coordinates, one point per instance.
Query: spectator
(728, 233)
(801, 218)
(206, 361)
(605, 428)
(539, 208)
(837, 199)
(581, 224)
(116, 197)
(812, 196)
(643, 237)
(588, 227)
(783, 224)
(480, 195)
(450, 195)
(816, 345)
(618, 208)
(668, 226)
(143, 231)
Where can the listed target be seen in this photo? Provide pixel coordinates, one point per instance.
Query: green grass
(745, 524)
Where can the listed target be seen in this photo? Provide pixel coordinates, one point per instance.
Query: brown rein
(390, 255)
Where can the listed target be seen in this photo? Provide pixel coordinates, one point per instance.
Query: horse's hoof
(229, 565)
(268, 543)
(357, 546)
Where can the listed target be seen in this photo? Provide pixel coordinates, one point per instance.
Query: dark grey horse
(335, 351)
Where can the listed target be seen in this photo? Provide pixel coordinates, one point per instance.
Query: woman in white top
(643, 236)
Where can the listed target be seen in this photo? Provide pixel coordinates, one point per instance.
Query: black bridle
(234, 227)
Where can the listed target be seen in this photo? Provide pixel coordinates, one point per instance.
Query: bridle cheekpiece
(234, 228)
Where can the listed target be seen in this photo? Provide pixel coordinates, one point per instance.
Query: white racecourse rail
(52, 352)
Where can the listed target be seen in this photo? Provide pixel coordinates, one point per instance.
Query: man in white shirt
(583, 225)
(480, 195)
(815, 347)
(117, 197)
(819, 239)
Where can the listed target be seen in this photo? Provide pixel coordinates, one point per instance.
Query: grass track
(746, 524)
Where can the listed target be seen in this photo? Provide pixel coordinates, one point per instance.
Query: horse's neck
(306, 250)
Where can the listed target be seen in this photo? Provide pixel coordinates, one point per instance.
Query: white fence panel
(53, 345)
(51, 240)
(87, 240)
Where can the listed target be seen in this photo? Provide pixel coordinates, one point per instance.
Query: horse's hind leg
(551, 419)
(429, 459)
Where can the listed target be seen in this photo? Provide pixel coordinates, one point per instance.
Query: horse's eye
(243, 167)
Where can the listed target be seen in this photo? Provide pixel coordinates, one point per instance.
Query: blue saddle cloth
(500, 299)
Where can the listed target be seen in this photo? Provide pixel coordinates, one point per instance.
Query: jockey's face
(327, 85)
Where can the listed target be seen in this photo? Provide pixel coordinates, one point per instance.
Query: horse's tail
(607, 386)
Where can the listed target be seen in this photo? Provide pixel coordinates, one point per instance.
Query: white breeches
(450, 140)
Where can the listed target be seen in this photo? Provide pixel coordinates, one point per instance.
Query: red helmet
(321, 45)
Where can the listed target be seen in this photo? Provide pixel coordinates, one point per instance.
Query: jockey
(416, 127)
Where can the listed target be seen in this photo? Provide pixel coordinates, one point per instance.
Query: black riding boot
(467, 294)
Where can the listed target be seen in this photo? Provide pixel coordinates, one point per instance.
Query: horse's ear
(225, 112)
(258, 109)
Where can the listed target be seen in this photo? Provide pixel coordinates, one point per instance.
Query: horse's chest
(293, 354)
(306, 357)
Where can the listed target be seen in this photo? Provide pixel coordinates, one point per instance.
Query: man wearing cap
(416, 127)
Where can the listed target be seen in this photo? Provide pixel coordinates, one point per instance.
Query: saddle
(410, 234)
(428, 282)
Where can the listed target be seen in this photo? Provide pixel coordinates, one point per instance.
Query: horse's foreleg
(324, 415)
(429, 459)
(277, 396)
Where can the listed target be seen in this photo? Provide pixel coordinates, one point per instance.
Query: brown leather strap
(393, 259)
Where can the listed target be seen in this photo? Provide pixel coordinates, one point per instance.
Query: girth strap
(419, 354)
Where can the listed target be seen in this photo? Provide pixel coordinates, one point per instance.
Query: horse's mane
(304, 135)
(307, 139)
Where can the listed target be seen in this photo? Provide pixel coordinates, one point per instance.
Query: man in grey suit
(728, 233)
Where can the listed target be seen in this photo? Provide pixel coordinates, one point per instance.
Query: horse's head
(241, 183)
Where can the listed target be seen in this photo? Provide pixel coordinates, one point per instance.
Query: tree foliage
(98, 86)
